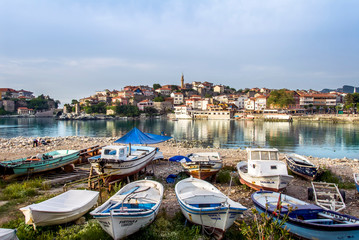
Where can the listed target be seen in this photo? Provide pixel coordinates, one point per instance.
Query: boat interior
(136, 199)
(310, 213)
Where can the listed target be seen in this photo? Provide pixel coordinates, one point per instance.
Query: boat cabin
(114, 152)
(265, 162)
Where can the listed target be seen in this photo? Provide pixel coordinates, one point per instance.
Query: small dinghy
(133, 207)
(301, 166)
(8, 234)
(307, 220)
(203, 204)
(63, 208)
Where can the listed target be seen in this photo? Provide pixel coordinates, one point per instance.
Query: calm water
(308, 138)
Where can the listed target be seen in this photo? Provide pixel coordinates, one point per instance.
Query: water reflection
(309, 138)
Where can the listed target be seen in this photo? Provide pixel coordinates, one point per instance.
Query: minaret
(182, 81)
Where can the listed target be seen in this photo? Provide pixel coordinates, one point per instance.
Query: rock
(80, 221)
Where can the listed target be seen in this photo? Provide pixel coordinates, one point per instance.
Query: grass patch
(169, 228)
(223, 176)
(24, 189)
(329, 177)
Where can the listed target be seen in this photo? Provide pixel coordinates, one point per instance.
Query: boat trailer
(327, 195)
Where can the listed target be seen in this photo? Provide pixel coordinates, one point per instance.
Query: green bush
(327, 176)
(21, 190)
(223, 176)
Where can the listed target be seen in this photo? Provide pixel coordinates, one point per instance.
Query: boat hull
(305, 171)
(220, 219)
(202, 171)
(119, 227)
(23, 166)
(122, 168)
(274, 183)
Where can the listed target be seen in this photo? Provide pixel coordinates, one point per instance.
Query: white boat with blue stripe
(203, 204)
(135, 206)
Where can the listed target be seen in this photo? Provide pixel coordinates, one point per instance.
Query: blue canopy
(135, 136)
(179, 158)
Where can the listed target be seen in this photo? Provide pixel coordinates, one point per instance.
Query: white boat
(264, 170)
(122, 161)
(203, 204)
(63, 208)
(356, 180)
(133, 207)
(8, 234)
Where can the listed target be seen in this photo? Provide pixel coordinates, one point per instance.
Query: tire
(310, 194)
(342, 192)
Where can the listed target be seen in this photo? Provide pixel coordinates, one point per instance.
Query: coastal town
(195, 100)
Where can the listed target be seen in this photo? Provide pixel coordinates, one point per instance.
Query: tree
(156, 86)
(207, 95)
(127, 110)
(39, 103)
(281, 98)
(150, 111)
(159, 99)
(74, 101)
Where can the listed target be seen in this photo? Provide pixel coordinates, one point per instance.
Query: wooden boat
(38, 163)
(356, 179)
(8, 234)
(203, 204)
(264, 170)
(307, 220)
(133, 207)
(63, 208)
(301, 166)
(200, 165)
(122, 161)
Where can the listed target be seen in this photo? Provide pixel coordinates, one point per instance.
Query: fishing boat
(301, 166)
(122, 161)
(356, 179)
(133, 207)
(63, 208)
(38, 163)
(264, 170)
(203, 204)
(200, 165)
(8, 234)
(306, 220)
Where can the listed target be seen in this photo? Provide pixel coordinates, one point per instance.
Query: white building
(177, 98)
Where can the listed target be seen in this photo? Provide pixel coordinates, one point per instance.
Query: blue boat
(307, 220)
(301, 166)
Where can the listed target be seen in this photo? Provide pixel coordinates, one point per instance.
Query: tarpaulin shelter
(135, 136)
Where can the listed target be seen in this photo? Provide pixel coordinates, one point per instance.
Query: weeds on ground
(223, 176)
(24, 189)
(266, 227)
(329, 177)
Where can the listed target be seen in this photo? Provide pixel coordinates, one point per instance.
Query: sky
(69, 49)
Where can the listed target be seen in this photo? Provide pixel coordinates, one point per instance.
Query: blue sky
(70, 49)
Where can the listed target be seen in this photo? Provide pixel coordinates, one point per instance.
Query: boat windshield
(264, 155)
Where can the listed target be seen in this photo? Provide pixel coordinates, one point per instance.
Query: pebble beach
(18, 147)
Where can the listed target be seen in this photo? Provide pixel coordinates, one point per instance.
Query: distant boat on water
(38, 163)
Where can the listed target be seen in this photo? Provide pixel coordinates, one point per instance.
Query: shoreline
(18, 147)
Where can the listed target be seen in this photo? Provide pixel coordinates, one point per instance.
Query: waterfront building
(144, 103)
(177, 98)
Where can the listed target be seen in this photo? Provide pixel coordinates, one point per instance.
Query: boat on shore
(63, 208)
(203, 204)
(301, 166)
(264, 170)
(38, 163)
(134, 206)
(306, 220)
(200, 165)
(122, 161)
(8, 234)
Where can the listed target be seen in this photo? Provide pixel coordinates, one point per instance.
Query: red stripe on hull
(257, 188)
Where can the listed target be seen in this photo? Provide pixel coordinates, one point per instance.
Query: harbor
(343, 168)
